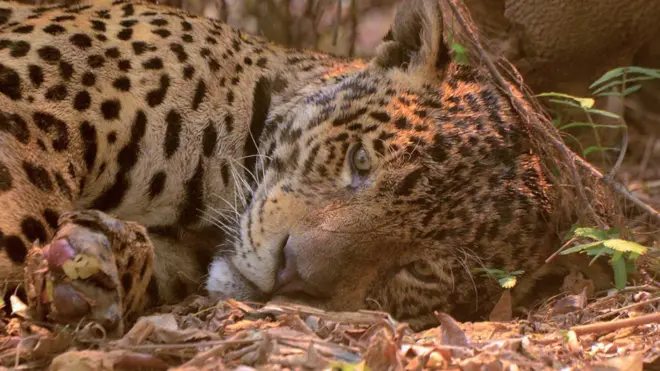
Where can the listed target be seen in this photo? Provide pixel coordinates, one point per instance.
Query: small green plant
(460, 54)
(586, 106)
(608, 243)
(458, 51)
(617, 82)
(506, 279)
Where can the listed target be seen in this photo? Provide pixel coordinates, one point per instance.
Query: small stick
(562, 248)
(335, 31)
(631, 306)
(200, 358)
(188, 345)
(610, 326)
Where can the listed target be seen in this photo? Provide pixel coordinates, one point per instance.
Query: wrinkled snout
(330, 267)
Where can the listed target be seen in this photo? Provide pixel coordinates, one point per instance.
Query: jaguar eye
(360, 160)
(421, 270)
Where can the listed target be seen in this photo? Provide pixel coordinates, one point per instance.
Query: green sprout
(607, 242)
(506, 279)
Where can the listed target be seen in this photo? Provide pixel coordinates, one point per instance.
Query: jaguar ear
(415, 42)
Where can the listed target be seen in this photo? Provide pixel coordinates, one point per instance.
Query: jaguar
(147, 154)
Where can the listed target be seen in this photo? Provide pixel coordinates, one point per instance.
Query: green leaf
(609, 75)
(517, 273)
(583, 247)
(613, 232)
(631, 90)
(590, 125)
(651, 72)
(620, 274)
(625, 246)
(593, 233)
(495, 273)
(603, 113)
(460, 54)
(584, 102)
(630, 265)
(620, 82)
(616, 256)
(607, 86)
(556, 122)
(598, 253)
(508, 282)
(591, 149)
(566, 103)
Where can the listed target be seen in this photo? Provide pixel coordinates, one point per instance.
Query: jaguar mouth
(226, 281)
(231, 277)
(289, 284)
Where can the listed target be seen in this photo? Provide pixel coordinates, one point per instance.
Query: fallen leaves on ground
(202, 334)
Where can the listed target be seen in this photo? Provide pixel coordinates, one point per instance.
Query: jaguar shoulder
(156, 152)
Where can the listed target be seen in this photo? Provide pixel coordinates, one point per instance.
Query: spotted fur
(235, 154)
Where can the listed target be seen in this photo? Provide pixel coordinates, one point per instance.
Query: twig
(627, 194)
(648, 151)
(562, 248)
(620, 188)
(288, 340)
(335, 31)
(200, 344)
(619, 160)
(221, 5)
(624, 146)
(19, 347)
(200, 358)
(354, 26)
(610, 326)
(631, 306)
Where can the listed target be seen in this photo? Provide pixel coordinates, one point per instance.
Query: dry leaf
(163, 329)
(383, 354)
(48, 346)
(296, 323)
(18, 307)
(570, 303)
(633, 362)
(488, 362)
(575, 283)
(451, 332)
(106, 361)
(137, 335)
(502, 345)
(503, 310)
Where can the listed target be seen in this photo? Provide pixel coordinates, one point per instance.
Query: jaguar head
(386, 187)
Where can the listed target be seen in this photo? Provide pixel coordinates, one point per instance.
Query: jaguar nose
(289, 282)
